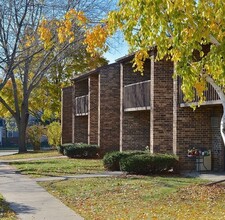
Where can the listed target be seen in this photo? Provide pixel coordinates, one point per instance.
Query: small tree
(34, 36)
(54, 134)
(34, 134)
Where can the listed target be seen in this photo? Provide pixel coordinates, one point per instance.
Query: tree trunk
(222, 125)
(22, 127)
(22, 138)
(222, 98)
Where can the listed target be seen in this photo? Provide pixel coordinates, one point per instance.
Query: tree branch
(13, 113)
(217, 88)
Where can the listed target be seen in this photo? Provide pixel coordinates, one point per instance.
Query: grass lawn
(5, 212)
(141, 198)
(58, 167)
(31, 154)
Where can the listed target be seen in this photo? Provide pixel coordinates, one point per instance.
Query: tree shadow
(20, 208)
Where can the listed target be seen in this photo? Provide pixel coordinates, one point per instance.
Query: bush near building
(79, 150)
(140, 162)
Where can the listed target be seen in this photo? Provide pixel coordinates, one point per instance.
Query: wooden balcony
(81, 104)
(211, 95)
(137, 96)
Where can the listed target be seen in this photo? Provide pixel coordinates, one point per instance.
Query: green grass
(31, 154)
(58, 167)
(5, 212)
(126, 198)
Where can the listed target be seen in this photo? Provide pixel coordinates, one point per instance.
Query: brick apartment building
(91, 108)
(120, 109)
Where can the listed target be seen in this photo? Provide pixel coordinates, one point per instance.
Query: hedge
(60, 149)
(111, 160)
(149, 163)
(80, 150)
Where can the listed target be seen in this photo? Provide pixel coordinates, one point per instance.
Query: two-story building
(120, 109)
(91, 108)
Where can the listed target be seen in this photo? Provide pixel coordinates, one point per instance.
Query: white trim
(121, 107)
(137, 109)
(215, 102)
(138, 83)
(82, 114)
(81, 96)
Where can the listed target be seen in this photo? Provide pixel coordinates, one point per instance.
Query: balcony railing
(210, 94)
(81, 104)
(137, 96)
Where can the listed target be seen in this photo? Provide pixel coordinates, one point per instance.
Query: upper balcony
(137, 96)
(81, 104)
(211, 95)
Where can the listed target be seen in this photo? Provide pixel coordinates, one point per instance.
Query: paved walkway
(211, 176)
(29, 200)
(7, 152)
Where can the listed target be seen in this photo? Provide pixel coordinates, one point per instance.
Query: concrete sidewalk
(29, 200)
(211, 176)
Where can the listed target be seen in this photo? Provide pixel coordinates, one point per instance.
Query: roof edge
(91, 72)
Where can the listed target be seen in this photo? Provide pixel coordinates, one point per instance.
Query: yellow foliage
(139, 59)
(200, 87)
(45, 34)
(96, 38)
(29, 40)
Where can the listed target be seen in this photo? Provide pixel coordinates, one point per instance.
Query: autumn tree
(33, 37)
(178, 29)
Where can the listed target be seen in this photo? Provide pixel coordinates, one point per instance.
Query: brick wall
(93, 109)
(135, 124)
(129, 76)
(81, 122)
(109, 88)
(161, 125)
(136, 130)
(218, 155)
(67, 115)
(81, 129)
(199, 129)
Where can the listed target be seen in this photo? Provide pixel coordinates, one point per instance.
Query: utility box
(204, 163)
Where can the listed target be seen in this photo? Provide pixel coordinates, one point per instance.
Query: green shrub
(54, 134)
(148, 163)
(81, 150)
(34, 134)
(111, 160)
(60, 149)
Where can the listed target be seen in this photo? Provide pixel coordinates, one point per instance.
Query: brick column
(93, 109)
(161, 125)
(81, 122)
(67, 115)
(109, 108)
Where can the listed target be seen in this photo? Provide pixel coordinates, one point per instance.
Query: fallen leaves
(141, 198)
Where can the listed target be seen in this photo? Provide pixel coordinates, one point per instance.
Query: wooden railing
(210, 95)
(81, 104)
(137, 96)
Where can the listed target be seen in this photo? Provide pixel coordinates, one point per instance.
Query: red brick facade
(93, 103)
(101, 123)
(80, 123)
(134, 125)
(109, 114)
(200, 129)
(161, 127)
(165, 126)
(67, 114)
